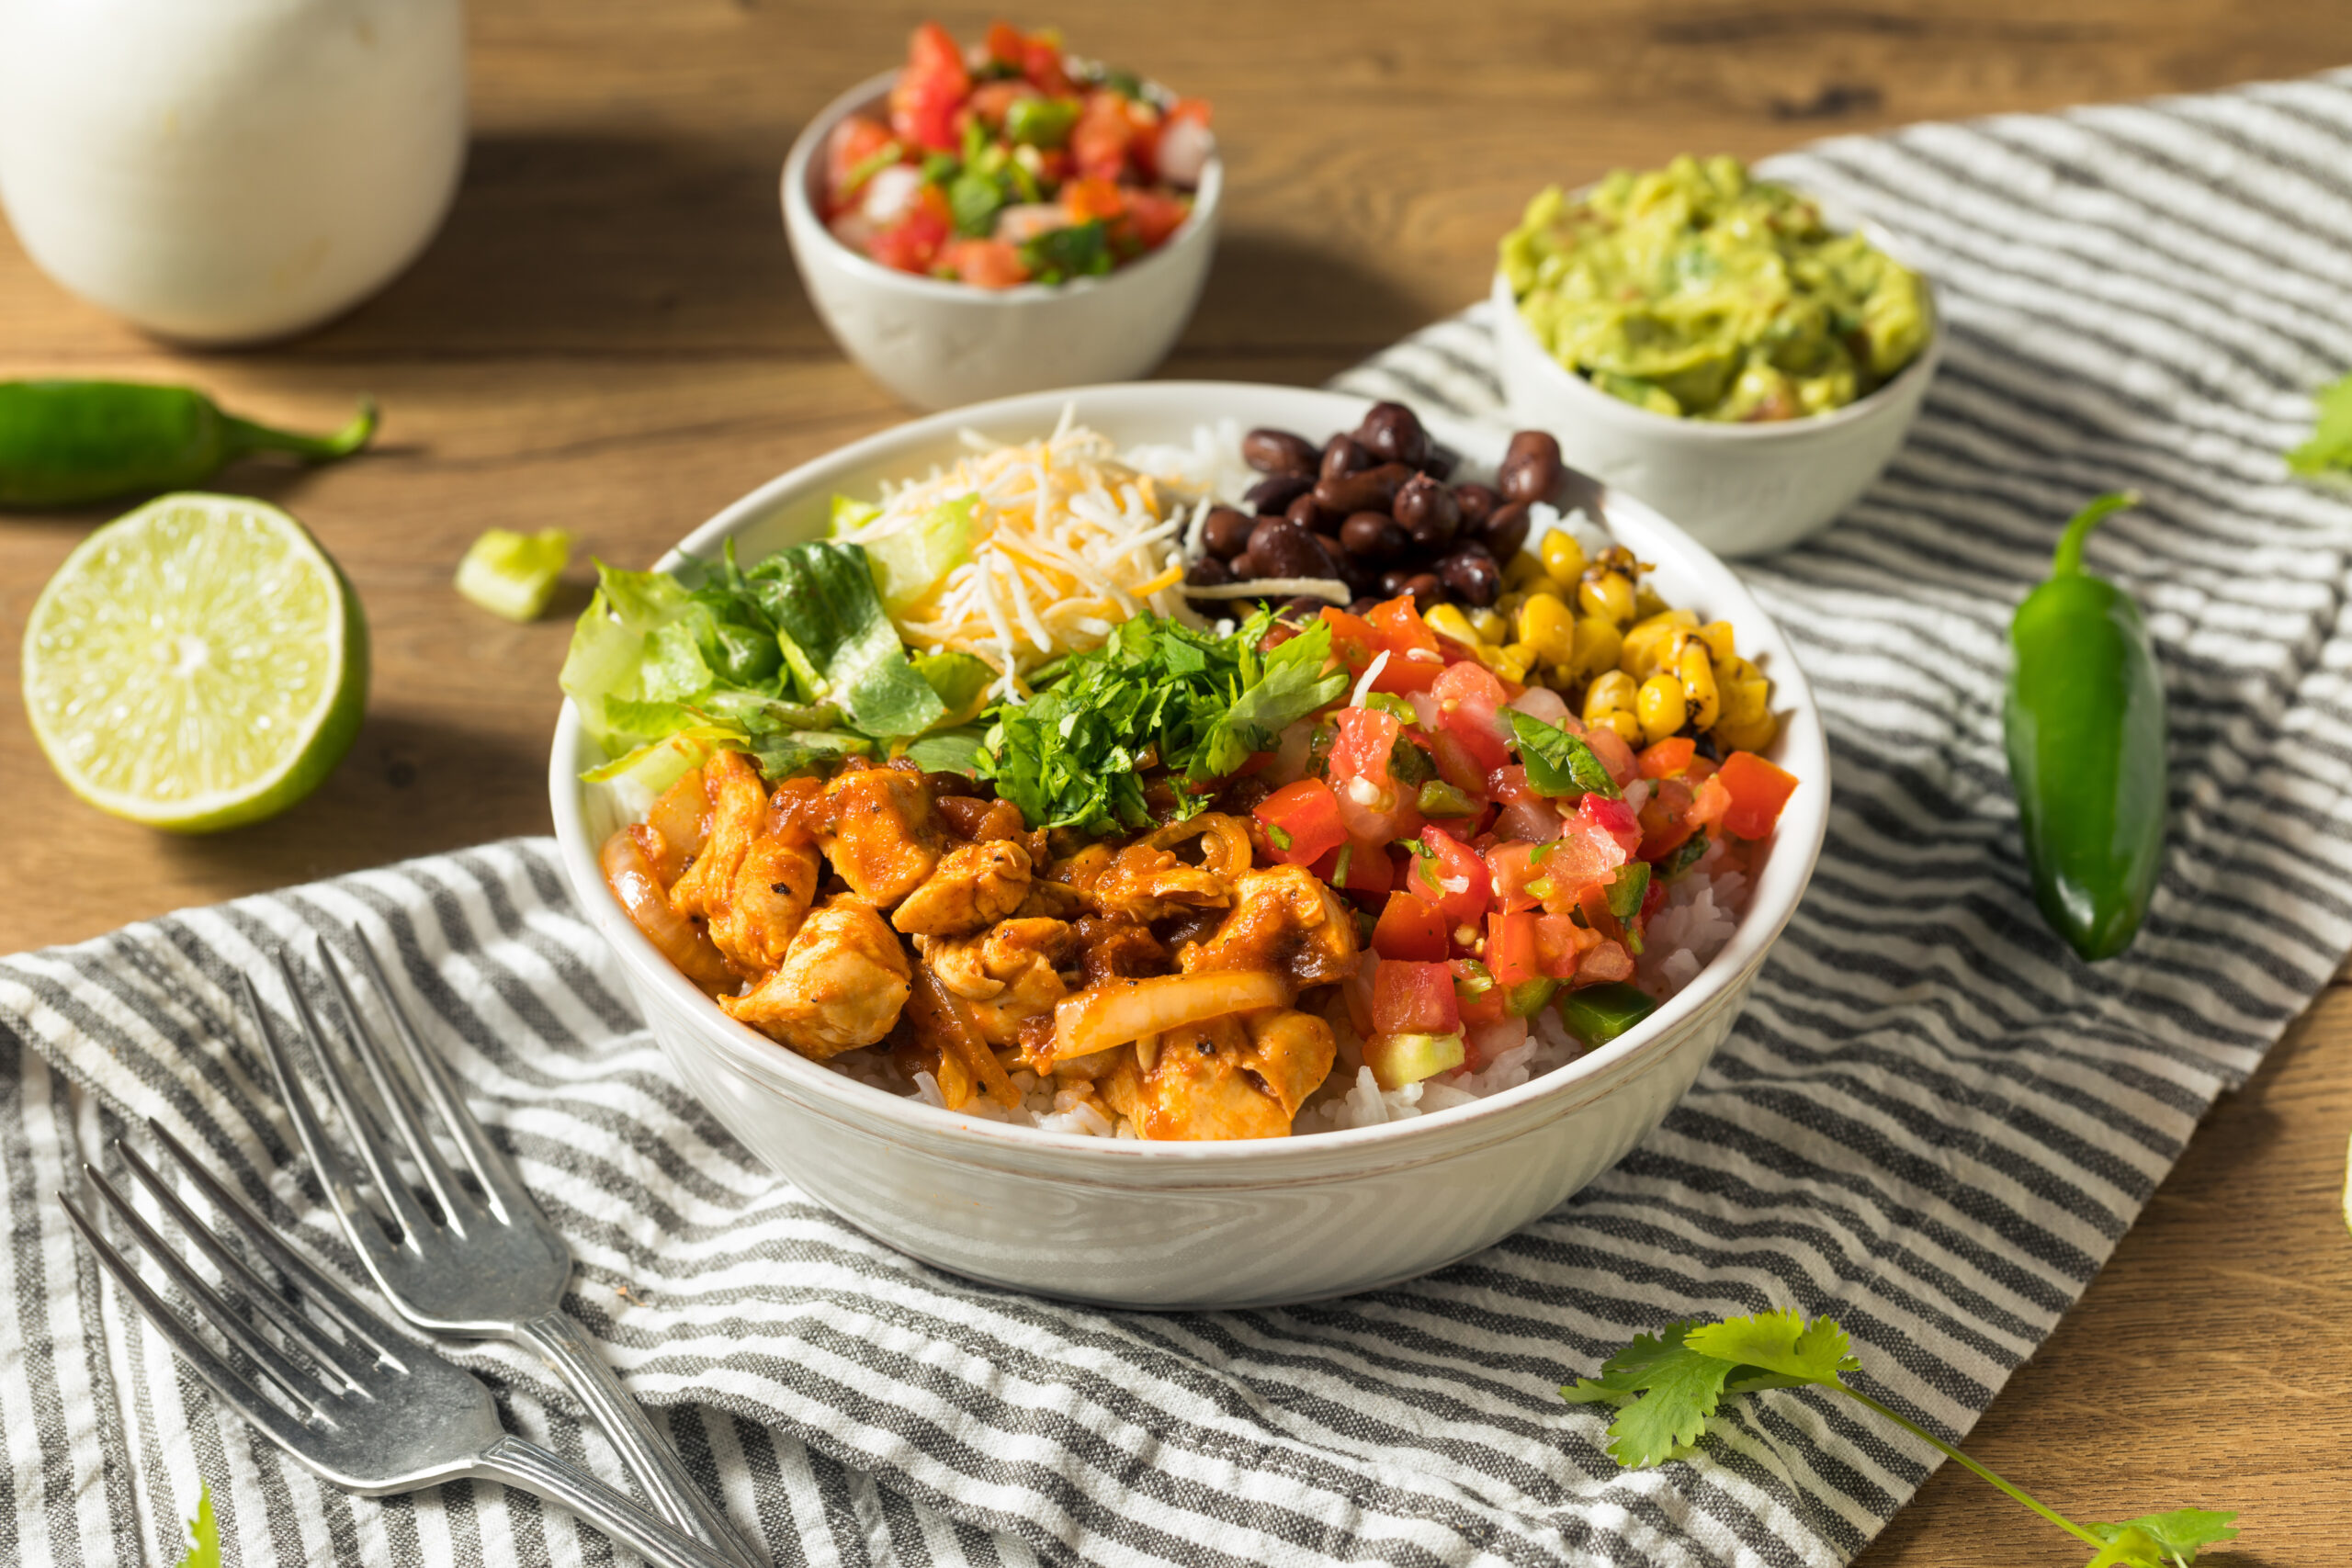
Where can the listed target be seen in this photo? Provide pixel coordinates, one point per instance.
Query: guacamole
(1695, 291)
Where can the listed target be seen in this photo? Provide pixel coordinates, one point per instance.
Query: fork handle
(565, 1346)
(554, 1479)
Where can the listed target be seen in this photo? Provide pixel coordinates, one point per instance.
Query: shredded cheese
(1067, 543)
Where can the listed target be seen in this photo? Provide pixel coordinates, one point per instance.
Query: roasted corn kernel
(1547, 624)
(1597, 645)
(1448, 621)
(1490, 625)
(1718, 639)
(1607, 594)
(1751, 734)
(1563, 558)
(1646, 645)
(1661, 707)
(1646, 603)
(1523, 571)
(1696, 670)
(1610, 700)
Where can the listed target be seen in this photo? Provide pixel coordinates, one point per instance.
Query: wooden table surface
(608, 336)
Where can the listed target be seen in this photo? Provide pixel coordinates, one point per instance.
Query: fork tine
(301, 1386)
(336, 1175)
(490, 1167)
(361, 1128)
(400, 1104)
(235, 1390)
(357, 1319)
(240, 1273)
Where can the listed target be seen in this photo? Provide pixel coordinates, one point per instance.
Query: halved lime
(196, 664)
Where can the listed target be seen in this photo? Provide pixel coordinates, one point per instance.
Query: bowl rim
(1897, 390)
(800, 215)
(1801, 833)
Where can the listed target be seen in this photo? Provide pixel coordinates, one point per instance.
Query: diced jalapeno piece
(1597, 1014)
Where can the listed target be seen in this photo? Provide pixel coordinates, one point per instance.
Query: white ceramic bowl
(1740, 490)
(1186, 1225)
(938, 344)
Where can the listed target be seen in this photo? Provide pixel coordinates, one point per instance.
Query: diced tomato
(1005, 44)
(1490, 1004)
(928, 92)
(1190, 108)
(1094, 197)
(854, 141)
(1509, 786)
(1607, 962)
(1353, 638)
(1653, 896)
(1668, 756)
(1402, 625)
(1372, 804)
(1041, 62)
(1469, 698)
(992, 101)
(1560, 945)
(1451, 876)
(1368, 868)
(1302, 821)
(1457, 764)
(1516, 870)
(1409, 998)
(1614, 819)
(1709, 803)
(1154, 215)
(1099, 141)
(1410, 929)
(1666, 817)
(1512, 954)
(1592, 901)
(913, 244)
(1757, 790)
(1414, 662)
(989, 263)
(1614, 754)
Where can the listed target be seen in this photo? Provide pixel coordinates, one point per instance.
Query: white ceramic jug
(228, 171)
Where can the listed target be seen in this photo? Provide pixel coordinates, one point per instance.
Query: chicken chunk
(839, 987)
(1142, 883)
(882, 834)
(1290, 1053)
(973, 887)
(1197, 1084)
(1283, 918)
(753, 882)
(1010, 974)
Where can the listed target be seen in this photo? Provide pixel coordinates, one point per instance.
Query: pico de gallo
(1012, 162)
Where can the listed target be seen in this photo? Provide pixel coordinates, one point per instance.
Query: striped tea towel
(1930, 1123)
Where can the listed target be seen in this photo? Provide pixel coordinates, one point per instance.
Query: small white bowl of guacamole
(1714, 344)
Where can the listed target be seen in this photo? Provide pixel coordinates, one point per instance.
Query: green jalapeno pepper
(63, 443)
(2084, 726)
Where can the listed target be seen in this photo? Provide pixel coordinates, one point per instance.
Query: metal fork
(483, 1267)
(373, 1411)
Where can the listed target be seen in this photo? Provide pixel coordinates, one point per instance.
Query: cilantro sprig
(203, 1533)
(1665, 1386)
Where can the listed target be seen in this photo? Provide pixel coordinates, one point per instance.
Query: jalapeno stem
(244, 435)
(2069, 559)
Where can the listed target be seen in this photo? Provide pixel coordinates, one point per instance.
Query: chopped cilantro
(204, 1532)
(1081, 250)
(974, 199)
(1278, 836)
(1558, 763)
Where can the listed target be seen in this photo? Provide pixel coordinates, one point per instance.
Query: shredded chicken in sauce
(1166, 979)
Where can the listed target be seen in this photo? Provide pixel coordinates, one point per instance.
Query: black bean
(1373, 490)
(1226, 533)
(1391, 432)
(1209, 573)
(1284, 549)
(1477, 502)
(1531, 469)
(1425, 587)
(1427, 511)
(1309, 514)
(1342, 456)
(1269, 497)
(1505, 532)
(1304, 607)
(1245, 567)
(1391, 583)
(1470, 575)
(1279, 452)
(1440, 462)
(1365, 606)
(1371, 537)
(1361, 576)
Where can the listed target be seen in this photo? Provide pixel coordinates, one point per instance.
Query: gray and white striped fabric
(1931, 1121)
